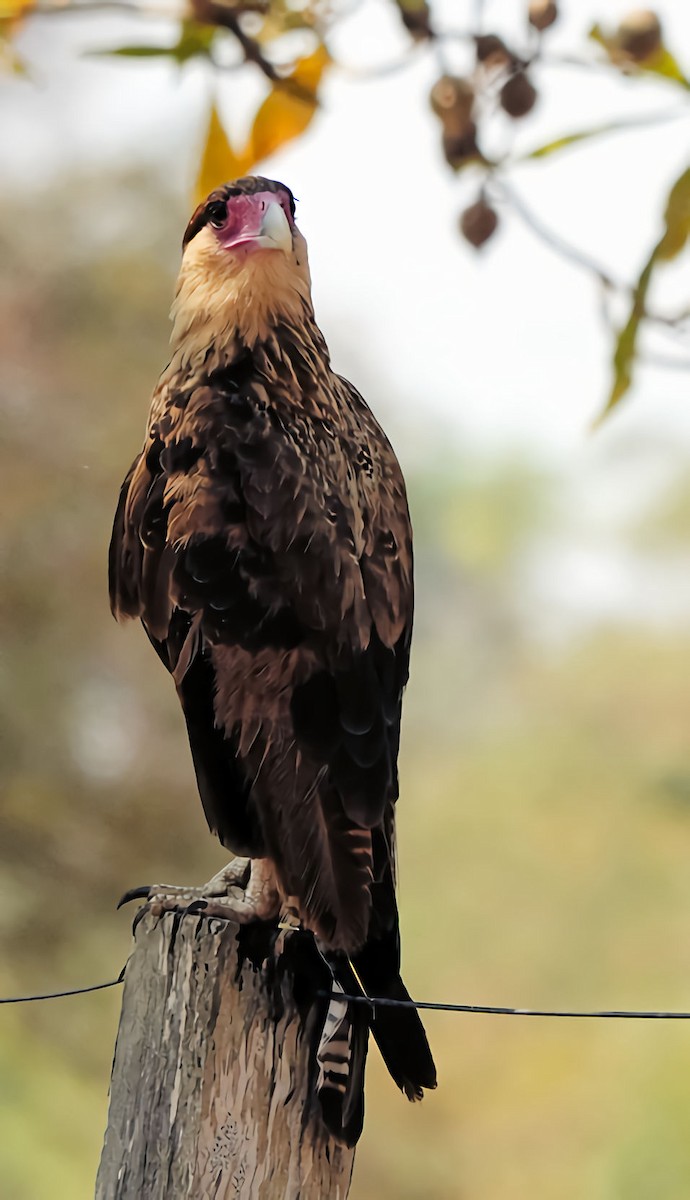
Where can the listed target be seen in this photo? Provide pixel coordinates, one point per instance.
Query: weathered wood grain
(209, 1091)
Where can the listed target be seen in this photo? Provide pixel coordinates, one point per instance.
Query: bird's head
(244, 263)
(246, 216)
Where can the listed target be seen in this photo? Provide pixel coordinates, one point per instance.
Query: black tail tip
(415, 1091)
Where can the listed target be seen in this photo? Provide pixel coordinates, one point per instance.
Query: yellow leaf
(308, 71)
(10, 9)
(12, 13)
(285, 115)
(219, 161)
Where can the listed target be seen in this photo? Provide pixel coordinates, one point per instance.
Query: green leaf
(677, 219)
(596, 34)
(674, 239)
(626, 343)
(194, 40)
(572, 139)
(568, 139)
(135, 52)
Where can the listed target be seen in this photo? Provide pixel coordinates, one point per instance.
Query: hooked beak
(275, 231)
(257, 221)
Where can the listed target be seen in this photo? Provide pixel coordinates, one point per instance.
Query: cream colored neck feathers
(224, 299)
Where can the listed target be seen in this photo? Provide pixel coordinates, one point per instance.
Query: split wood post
(209, 1088)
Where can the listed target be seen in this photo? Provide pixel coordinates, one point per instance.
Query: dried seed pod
(478, 223)
(452, 99)
(417, 20)
(518, 95)
(461, 148)
(639, 34)
(492, 51)
(542, 13)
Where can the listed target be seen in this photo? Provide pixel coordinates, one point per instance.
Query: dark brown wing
(267, 549)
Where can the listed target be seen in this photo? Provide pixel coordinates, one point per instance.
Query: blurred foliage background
(545, 820)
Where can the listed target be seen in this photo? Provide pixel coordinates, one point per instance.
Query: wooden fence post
(209, 1089)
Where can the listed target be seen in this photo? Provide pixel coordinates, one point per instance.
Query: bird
(263, 539)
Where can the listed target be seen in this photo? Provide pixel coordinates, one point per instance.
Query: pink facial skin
(253, 222)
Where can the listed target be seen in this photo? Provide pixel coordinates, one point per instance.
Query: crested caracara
(263, 538)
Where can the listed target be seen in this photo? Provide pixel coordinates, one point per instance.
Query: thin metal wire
(501, 1011)
(429, 1005)
(95, 987)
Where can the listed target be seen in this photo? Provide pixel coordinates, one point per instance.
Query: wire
(500, 1011)
(428, 1005)
(95, 987)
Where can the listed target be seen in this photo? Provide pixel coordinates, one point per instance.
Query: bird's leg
(258, 900)
(245, 890)
(234, 874)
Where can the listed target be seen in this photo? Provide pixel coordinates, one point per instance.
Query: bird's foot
(244, 891)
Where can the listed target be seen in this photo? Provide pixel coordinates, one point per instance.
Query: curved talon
(137, 893)
(243, 891)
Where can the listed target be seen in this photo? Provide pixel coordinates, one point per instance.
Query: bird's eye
(216, 212)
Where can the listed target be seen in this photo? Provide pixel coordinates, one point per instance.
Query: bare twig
(672, 320)
(668, 322)
(562, 247)
(254, 54)
(666, 362)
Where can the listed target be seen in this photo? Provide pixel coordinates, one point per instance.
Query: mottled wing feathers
(124, 557)
(263, 538)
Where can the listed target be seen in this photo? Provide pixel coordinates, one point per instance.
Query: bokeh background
(545, 811)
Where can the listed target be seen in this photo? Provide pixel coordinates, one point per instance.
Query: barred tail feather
(335, 1044)
(340, 1061)
(339, 1035)
(342, 1048)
